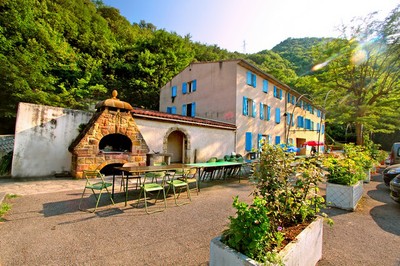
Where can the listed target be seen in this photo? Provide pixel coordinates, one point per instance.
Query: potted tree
(285, 207)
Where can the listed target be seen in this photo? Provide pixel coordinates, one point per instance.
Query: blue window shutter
(173, 91)
(275, 94)
(318, 113)
(184, 88)
(245, 111)
(288, 119)
(254, 80)
(254, 111)
(184, 109)
(293, 99)
(269, 113)
(259, 138)
(277, 140)
(280, 94)
(322, 129)
(265, 85)
(277, 115)
(193, 109)
(173, 110)
(248, 141)
(194, 85)
(318, 127)
(261, 111)
(169, 110)
(288, 97)
(248, 80)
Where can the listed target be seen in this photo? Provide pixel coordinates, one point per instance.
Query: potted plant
(285, 202)
(345, 177)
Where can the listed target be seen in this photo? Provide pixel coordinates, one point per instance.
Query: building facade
(234, 91)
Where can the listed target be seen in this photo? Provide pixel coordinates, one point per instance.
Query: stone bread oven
(111, 137)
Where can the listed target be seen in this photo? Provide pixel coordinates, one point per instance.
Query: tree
(363, 72)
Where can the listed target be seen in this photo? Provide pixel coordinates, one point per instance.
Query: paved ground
(45, 227)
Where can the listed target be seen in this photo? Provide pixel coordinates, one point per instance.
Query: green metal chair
(190, 178)
(149, 187)
(91, 176)
(179, 183)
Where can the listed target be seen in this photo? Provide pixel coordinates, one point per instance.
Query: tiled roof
(150, 114)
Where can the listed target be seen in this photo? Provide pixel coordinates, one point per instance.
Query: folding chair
(152, 186)
(130, 177)
(178, 183)
(100, 186)
(190, 178)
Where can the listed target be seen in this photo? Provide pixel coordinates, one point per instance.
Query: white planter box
(306, 250)
(367, 176)
(344, 197)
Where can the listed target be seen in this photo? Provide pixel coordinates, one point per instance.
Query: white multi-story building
(235, 91)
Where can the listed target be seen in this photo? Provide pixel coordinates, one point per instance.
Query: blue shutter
(277, 115)
(184, 109)
(248, 80)
(269, 113)
(261, 111)
(275, 93)
(288, 118)
(173, 91)
(318, 113)
(169, 110)
(194, 85)
(173, 110)
(265, 85)
(277, 140)
(293, 99)
(259, 138)
(193, 109)
(254, 111)
(254, 80)
(318, 127)
(322, 129)
(248, 141)
(245, 111)
(288, 97)
(184, 88)
(280, 94)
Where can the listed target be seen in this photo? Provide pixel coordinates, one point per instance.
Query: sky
(250, 26)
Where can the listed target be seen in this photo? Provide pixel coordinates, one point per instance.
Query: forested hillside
(73, 53)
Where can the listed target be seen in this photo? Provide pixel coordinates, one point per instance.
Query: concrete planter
(367, 178)
(305, 250)
(344, 197)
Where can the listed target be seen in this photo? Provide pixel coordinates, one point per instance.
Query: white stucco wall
(42, 137)
(206, 142)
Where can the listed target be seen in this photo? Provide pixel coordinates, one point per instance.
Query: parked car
(395, 189)
(390, 172)
(395, 153)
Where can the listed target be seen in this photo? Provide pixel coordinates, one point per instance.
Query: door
(176, 146)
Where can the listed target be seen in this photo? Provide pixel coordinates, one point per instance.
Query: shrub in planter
(286, 195)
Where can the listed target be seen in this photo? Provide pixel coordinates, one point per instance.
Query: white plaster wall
(42, 137)
(205, 141)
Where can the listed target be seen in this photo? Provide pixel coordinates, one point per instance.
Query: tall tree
(362, 71)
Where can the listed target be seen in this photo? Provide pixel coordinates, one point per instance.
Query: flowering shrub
(286, 194)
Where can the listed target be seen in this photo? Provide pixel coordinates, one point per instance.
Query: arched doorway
(176, 146)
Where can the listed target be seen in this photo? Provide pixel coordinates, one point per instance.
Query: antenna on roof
(244, 46)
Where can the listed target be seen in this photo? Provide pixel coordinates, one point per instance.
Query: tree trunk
(359, 134)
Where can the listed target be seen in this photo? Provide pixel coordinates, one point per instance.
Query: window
(265, 86)
(277, 140)
(318, 113)
(264, 112)
(290, 118)
(277, 115)
(318, 127)
(293, 99)
(288, 97)
(171, 110)
(251, 79)
(248, 145)
(188, 87)
(277, 93)
(189, 109)
(307, 124)
(249, 107)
